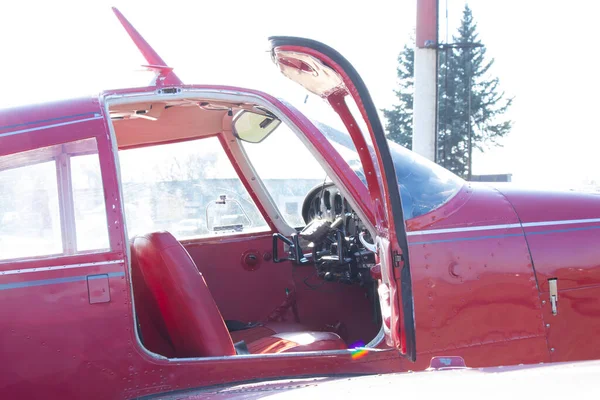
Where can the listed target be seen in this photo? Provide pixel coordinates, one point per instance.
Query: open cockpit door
(324, 72)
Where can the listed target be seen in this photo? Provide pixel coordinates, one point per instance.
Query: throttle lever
(294, 244)
(276, 237)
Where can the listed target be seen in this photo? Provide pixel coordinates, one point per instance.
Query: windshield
(424, 185)
(287, 169)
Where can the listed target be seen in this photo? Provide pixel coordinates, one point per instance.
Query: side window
(189, 189)
(88, 203)
(29, 211)
(52, 202)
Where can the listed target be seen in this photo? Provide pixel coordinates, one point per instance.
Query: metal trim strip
(563, 222)
(39, 128)
(59, 267)
(43, 282)
(464, 229)
(504, 226)
(547, 232)
(41, 121)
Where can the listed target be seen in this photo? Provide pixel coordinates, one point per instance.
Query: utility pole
(468, 66)
(425, 96)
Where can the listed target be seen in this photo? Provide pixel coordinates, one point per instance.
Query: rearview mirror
(254, 127)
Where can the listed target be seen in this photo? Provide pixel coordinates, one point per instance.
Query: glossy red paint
(21, 127)
(565, 249)
(109, 362)
(77, 356)
(480, 266)
(338, 103)
(571, 329)
(482, 281)
(562, 230)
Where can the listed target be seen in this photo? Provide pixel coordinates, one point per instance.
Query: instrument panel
(326, 202)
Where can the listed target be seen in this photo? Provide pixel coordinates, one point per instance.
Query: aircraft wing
(560, 380)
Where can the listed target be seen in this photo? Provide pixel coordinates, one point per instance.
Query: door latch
(398, 259)
(553, 284)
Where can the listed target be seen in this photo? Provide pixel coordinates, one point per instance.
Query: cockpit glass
(287, 169)
(424, 185)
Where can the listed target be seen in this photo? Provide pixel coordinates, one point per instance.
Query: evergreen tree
(399, 119)
(470, 105)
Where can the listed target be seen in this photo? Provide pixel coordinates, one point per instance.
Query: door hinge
(169, 90)
(398, 259)
(553, 284)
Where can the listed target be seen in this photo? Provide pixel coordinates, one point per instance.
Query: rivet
(543, 301)
(547, 325)
(552, 349)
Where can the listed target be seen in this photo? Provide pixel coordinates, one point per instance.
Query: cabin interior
(179, 162)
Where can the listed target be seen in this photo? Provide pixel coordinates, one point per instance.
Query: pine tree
(399, 118)
(450, 140)
(470, 105)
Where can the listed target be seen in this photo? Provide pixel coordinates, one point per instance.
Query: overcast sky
(543, 51)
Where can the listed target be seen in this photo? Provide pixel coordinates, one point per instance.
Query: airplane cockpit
(229, 188)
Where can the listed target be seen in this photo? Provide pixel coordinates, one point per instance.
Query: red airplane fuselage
(485, 265)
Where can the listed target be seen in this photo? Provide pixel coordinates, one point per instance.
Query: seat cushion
(265, 329)
(251, 334)
(297, 341)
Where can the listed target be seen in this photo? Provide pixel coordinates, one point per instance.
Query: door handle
(553, 284)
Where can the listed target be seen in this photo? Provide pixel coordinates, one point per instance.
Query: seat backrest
(193, 322)
(151, 325)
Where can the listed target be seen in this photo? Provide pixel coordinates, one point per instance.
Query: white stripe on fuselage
(59, 267)
(39, 128)
(505, 226)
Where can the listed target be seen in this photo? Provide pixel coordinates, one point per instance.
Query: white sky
(543, 50)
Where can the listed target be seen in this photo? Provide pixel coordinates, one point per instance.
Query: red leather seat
(152, 329)
(297, 341)
(191, 317)
(267, 329)
(178, 317)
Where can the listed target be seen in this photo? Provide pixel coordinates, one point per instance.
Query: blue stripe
(467, 239)
(586, 228)
(43, 282)
(41, 121)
